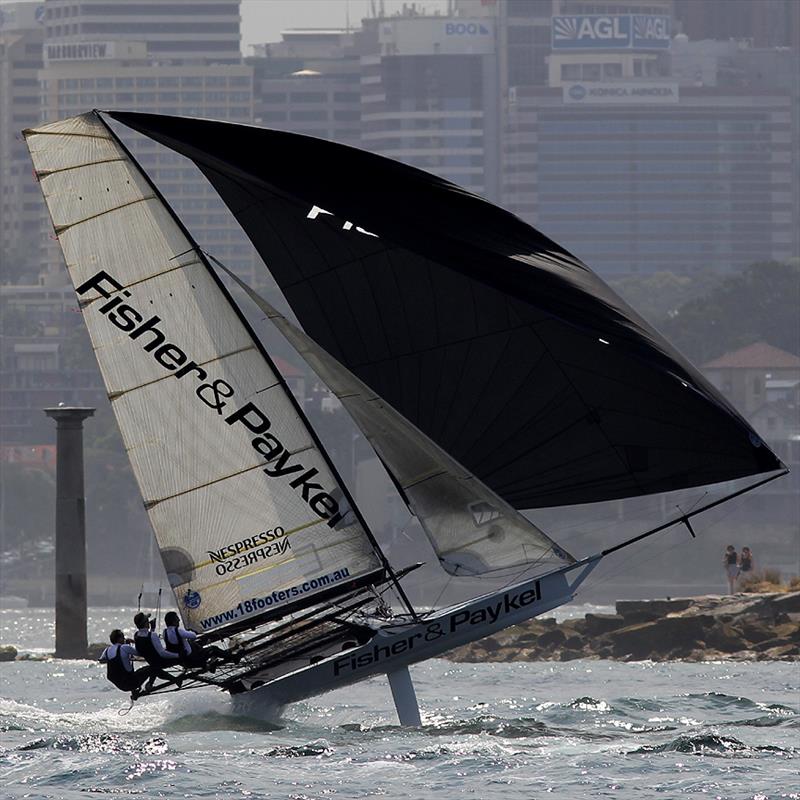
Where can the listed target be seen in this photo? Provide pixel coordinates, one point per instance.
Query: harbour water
(581, 729)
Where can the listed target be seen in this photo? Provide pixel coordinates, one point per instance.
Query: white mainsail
(472, 530)
(241, 498)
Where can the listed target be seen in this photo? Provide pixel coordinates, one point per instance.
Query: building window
(570, 72)
(612, 70)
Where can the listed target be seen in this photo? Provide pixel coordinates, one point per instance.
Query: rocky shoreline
(742, 627)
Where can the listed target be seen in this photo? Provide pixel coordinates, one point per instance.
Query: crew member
(149, 647)
(118, 658)
(184, 643)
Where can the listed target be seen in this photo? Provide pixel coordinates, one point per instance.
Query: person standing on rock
(747, 564)
(731, 563)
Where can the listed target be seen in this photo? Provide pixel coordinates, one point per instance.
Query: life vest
(147, 650)
(731, 557)
(116, 671)
(177, 645)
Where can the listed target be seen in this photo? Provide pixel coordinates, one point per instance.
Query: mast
(262, 350)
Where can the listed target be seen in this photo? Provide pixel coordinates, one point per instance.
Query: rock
(574, 643)
(490, 644)
(598, 624)
(648, 610)
(779, 652)
(7, 652)
(754, 629)
(95, 650)
(552, 638)
(570, 655)
(725, 638)
(770, 644)
(649, 638)
(788, 603)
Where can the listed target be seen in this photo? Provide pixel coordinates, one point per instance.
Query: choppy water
(582, 729)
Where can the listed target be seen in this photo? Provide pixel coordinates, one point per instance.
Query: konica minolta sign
(611, 32)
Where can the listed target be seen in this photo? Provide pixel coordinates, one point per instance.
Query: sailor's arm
(160, 649)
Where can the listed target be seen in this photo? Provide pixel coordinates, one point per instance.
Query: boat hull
(397, 646)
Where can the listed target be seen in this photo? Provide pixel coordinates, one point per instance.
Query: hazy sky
(263, 20)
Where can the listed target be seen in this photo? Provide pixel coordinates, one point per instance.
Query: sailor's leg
(405, 698)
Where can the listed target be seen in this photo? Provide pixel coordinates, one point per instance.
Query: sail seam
(34, 132)
(116, 395)
(85, 302)
(44, 173)
(148, 504)
(59, 229)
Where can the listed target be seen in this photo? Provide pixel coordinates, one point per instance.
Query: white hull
(396, 646)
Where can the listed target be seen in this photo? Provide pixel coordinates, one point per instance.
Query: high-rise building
(174, 31)
(645, 177)
(765, 23)
(21, 38)
(171, 61)
(429, 96)
(309, 83)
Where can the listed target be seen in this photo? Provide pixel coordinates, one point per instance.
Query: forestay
(243, 502)
(472, 530)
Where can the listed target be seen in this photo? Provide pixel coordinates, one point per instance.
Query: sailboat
(490, 370)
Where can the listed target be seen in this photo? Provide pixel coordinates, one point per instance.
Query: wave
(721, 700)
(316, 749)
(711, 744)
(100, 743)
(215, 721)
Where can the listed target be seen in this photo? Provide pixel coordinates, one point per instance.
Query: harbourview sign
(611, 32)
(620, 92)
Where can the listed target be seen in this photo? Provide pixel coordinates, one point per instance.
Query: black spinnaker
(498, 344)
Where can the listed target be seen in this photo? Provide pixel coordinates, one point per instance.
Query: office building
(21, 38)
(429, 96)
(309, 83)
(174, 31)
(85, 68)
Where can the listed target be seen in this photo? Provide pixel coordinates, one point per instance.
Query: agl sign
(611, 32)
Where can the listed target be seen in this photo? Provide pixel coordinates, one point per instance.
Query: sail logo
(262, 546)
(490, 614)
(192, 599)
(217, 394)
(316, 211)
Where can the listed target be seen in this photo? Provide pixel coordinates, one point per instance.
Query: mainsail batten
(241, 498)
(444, 309)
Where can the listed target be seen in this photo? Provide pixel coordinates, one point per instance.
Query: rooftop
(756, 356)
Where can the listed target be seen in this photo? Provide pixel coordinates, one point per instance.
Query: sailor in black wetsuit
(149, 647)
(184, 644)
(118, 658)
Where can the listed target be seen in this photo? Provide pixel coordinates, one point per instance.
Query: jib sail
(244, 503)
(472, 530)
(494, 341)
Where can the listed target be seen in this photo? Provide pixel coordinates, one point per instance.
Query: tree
(760, 303)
